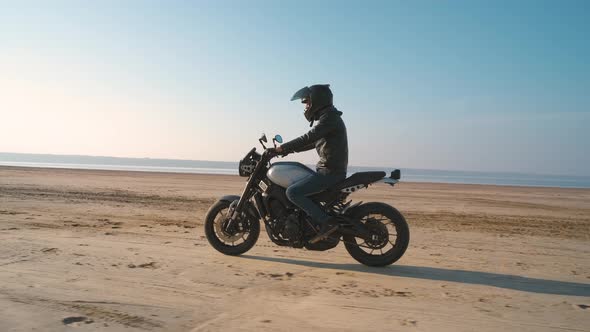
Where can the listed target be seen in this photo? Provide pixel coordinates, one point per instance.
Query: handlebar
(271, 153)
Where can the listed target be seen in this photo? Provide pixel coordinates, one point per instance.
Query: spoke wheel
(389, 237)
(230, 239)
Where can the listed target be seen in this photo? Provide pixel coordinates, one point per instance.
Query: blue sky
(463, 85)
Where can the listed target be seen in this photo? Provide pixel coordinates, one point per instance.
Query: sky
(457, 85)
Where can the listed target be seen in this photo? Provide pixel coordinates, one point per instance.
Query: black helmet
(319, 96)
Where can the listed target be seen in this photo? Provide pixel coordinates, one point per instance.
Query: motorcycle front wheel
(234, 241)
(390, 235)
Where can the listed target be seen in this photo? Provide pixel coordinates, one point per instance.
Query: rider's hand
(272, 151)
(281, 151)
(278, 151)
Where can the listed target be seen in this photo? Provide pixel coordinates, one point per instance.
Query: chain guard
(323, 245)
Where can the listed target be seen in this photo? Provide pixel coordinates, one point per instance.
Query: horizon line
(364, 166)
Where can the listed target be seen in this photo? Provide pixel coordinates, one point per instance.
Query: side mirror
(279, 139)
(263, 138)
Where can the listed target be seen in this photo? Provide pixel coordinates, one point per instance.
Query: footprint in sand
(409, 322)
(150, 265)
(274, 275)
(74, 320)
(391, 292)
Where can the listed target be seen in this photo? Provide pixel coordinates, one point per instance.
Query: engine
(285, 226)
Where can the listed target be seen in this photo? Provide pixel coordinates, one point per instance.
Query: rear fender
(351, 209)
(388, 180)
(359, 228)
(393, 178)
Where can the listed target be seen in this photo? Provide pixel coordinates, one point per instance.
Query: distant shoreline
(188, 174)
(178, 166)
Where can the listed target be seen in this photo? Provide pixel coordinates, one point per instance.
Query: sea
(223, 167)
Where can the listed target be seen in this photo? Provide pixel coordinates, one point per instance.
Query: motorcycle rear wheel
(382, 220)
(225, 242)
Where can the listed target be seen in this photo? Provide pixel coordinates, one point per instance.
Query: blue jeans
(298, 193)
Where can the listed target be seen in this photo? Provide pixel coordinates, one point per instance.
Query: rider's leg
(298, 194)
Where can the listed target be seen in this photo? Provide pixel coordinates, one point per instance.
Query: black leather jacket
(329, 139)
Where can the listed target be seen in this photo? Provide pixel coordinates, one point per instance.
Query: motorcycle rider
(329, 139)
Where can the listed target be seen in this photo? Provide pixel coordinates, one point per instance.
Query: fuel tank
(286, 173)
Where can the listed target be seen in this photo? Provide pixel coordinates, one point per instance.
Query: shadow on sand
(525, 284)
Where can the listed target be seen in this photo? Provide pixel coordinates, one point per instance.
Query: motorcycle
(374, 234)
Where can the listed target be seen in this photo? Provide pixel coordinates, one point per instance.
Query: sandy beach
(126, 251)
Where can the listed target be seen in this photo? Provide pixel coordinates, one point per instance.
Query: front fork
(247, 192)
(237, 208)
(234, 214)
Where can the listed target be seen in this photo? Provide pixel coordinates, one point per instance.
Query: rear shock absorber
(340, 205)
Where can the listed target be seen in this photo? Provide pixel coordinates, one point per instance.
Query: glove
(273, 152)
(283, 153)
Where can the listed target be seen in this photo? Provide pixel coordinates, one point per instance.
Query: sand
(126, 251)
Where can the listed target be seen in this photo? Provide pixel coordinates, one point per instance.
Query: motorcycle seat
(360, 178)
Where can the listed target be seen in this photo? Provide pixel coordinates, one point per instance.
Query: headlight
(246, 167)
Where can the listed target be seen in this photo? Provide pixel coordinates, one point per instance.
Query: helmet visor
(303, 93)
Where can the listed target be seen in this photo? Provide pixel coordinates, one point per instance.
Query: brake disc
(225, 236)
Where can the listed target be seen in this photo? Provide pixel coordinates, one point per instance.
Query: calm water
(215, 167)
